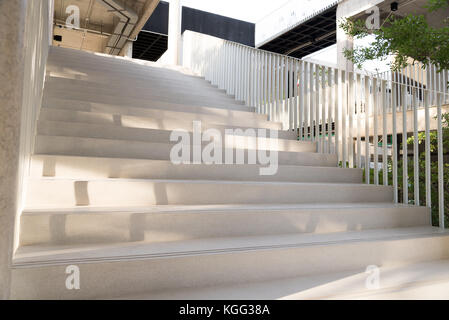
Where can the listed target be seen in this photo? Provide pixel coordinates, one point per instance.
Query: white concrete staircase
(104, 196)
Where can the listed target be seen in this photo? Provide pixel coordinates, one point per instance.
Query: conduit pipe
(122, 31)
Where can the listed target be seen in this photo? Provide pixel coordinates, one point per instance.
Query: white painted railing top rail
(335, 108)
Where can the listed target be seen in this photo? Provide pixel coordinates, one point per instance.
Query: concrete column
(174, 32)
(128, 49)
(12, 16)
(347, 9)
(344, 41)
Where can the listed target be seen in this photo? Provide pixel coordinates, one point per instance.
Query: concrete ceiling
(96, 22)
(415, 7)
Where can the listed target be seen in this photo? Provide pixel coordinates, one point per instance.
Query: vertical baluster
(367, 146)
(272, 86)
(318, 74)
(302, 82)
(351, 118)
(323, 110)
(329, 109)
(384, 133)
(311, 100)
(292, 110)
(306, 75)
(278, 88)
(337, 114)
(359, 120)
(237, 72)
(426, 98)
(243, 74)
(375, 127)
(404, 147)
(265, 82)
(394, 92)
(434, 84)
(286, 104)
(415, 148)
(344, 117)
(248, 77)
(440, 163)
(269, 82)
(296, 104)
(258, 87)
(306, 99)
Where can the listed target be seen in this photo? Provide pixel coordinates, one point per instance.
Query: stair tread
(202, 164)
(216, 120)
(206, 181)
(213, 208)
(405, 281)
(51, 254)
(147, 131)
(206, 110)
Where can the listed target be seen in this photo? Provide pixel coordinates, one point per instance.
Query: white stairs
(103, 196)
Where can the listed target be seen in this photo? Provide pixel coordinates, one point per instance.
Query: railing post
(359, 120)
(427, 153)
(415, 149)
(367, 148)
(375, 133)
(440, 163)
(394, 93)
(350, 100)
(384, 133)
(404, 147)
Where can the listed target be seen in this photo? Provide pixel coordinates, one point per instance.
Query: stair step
(102, 131)
(80, 225)
(53, 192)
(150, 107)
(416, 281)
(126, 269)
(156, 119)
(109, 148)
(132, 100)
(180, 82)
(142, 89)
(102, 168)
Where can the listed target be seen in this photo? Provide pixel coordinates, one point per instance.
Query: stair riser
(102, 168)
(165, 120)
(114, 227)
(82, 130)
(150, 88)
(85, 147)
(106, 193)
(138, 99)
(119, 278)
(102, 67)
(134, 79)
(150, 109)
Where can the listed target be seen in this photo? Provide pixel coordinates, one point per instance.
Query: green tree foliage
(403, 38)
(422, 173)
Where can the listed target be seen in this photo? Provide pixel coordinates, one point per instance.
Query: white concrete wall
(38, 37)
(24, 38)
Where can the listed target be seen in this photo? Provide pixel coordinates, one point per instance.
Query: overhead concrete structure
(174, 32)
(105, 25)
(298, 28)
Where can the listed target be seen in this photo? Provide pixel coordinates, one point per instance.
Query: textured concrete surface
(12, 15)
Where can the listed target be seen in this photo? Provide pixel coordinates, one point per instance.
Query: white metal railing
(343, 112)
